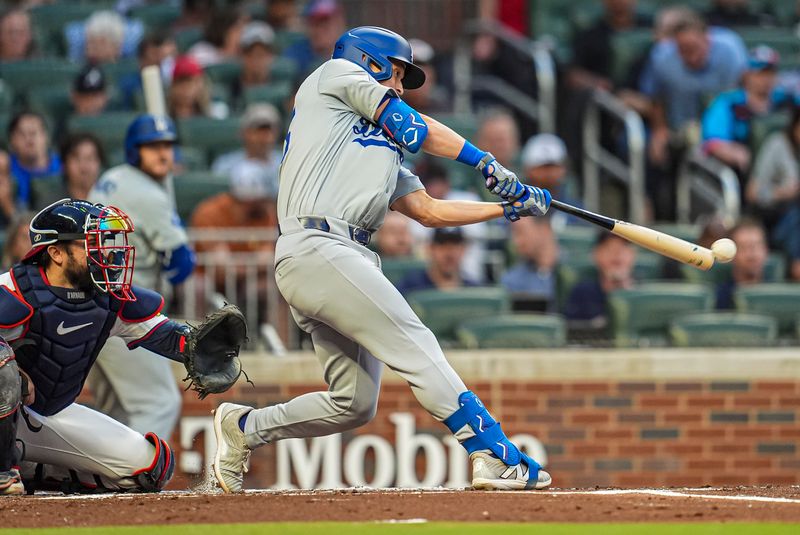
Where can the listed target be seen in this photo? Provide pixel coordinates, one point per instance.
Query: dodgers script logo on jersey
(367, 133)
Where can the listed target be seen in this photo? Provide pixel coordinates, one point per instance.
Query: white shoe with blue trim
(490, 473)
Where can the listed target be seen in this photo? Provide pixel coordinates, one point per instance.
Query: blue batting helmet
(373, 48)
(147, 129)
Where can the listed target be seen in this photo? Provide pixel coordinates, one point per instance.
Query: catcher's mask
(104, 231)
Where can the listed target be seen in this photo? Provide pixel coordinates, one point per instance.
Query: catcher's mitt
(211, 354)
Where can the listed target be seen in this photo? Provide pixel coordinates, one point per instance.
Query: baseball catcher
(58, 307)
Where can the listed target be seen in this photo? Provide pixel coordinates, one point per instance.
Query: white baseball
(724, 249)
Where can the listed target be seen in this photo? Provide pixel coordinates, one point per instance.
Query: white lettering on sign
(324, 462)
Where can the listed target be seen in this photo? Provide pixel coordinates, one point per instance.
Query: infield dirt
(743, 504)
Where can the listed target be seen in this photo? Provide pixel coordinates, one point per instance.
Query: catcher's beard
(77, 274)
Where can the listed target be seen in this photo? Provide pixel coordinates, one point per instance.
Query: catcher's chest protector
(65, 334)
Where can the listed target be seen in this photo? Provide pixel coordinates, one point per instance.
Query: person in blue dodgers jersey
(341, 171)
(58, 307)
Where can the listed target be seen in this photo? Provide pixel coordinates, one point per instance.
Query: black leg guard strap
(154, 477)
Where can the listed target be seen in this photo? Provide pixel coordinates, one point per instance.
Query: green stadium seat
(116, 71)
(53, 101)
(464, 124)
(50, 19)
(195, 186)
(783, 40)
(46, 191)
(225, 72)
(109, 127)
(781, 301)
(22, 76)
(642, 315)
(187, 37)
(513, 331)
(396, 269)
(724, 329)
(774, 271)
(283, 70)
(286, 38)
(156, 15)
(443, 311)
(276, 93)
(193, 158)
(5, 118)
(215, 136)
(6, 96)
(685, 231)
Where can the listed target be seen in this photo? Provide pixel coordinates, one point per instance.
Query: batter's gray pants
(358, 321)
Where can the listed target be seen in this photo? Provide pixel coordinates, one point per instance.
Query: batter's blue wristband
(470, 154)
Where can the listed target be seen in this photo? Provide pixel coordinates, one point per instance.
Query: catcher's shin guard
(10, 399)
(154, 477)
(488, 434)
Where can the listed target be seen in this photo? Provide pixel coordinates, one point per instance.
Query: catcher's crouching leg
(153, 478)
(10, 399)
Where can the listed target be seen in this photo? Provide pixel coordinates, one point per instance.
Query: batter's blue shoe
(230, 459)
(490, 473)
(11, 483)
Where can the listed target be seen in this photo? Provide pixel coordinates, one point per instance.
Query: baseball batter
(342, 170)
(142, 187)
(70, 293)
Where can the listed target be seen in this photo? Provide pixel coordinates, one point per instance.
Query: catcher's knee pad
(10, 400)
(488, 434)
(154, 477)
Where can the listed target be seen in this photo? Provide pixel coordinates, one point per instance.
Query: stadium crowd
(703, 74)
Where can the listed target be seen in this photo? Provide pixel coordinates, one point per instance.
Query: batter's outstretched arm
(431, 212)
(441, 140)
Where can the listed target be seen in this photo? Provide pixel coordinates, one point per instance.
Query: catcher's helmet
(147, 129)
(104, 230)
(373, 48)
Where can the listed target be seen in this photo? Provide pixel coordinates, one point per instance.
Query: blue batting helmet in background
(147, 129)
(373, 48)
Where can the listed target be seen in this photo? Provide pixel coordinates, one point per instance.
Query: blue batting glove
(533, 202)
(500, 180)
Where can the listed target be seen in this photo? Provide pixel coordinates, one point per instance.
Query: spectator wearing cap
(189, 94)
(260, 126)
(104, 37)
(31, 157)
(443, 271)
(89, 95)
(16, 36)
(727, 121)
(614, 257)
(324, 20)
(431, 97)
(249, 204)
(221, 38)
(545, 165)
(258, 54)
(531, 281)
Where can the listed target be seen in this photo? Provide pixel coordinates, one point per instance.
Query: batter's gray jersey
(139, 389)
(151, 207)
(337, 162)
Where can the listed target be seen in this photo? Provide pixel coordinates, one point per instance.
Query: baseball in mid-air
(724, 250)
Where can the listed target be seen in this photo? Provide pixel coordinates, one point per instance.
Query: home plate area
(739, 504)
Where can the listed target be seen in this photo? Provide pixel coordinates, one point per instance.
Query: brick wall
(606, 433)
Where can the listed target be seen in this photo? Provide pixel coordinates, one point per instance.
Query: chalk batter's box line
(682, 493)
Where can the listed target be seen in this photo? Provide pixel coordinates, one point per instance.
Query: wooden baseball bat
(659, 242)
(153, 91)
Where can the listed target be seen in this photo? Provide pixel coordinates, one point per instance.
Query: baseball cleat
(230, 459)
(11, 483)
(490, 473)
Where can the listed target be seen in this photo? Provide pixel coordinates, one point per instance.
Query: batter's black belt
(358, 235)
